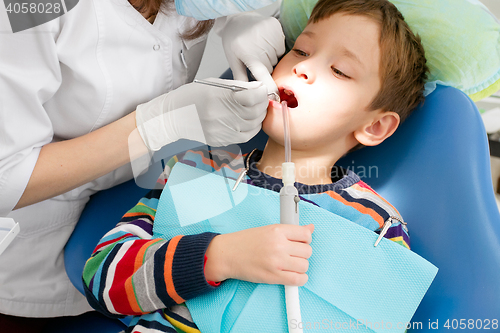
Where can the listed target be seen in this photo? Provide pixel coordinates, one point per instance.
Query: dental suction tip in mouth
(289, 97)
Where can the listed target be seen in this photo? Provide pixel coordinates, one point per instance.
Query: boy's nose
(303, 71)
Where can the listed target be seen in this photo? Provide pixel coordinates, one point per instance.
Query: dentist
(78, 91)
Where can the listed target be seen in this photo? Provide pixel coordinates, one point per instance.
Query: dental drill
(289, 214)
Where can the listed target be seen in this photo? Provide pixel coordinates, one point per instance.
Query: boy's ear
(380, 128)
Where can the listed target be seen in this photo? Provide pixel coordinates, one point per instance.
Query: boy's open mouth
(288, 96)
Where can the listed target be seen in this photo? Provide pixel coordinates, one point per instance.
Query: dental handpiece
(272, 95)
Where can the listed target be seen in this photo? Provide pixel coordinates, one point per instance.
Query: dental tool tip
(274, 97)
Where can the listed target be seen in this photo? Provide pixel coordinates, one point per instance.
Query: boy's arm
(132, 273)
(363, 205)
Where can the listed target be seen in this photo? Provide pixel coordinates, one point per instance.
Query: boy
(353, 75)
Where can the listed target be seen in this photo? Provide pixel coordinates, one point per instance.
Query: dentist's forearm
(63, 166)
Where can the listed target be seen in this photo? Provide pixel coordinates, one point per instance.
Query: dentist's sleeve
(30, 75)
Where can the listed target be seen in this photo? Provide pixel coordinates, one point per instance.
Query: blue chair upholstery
(435, 170)
(103, 211)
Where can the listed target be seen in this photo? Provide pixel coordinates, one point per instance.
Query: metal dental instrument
(386, 227)
(289, 214)
(244, 171)
(272, 96)
(387, 224)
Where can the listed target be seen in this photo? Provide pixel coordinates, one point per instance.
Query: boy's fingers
(310, 227)
(296, 265)
(298, 233)
(293, 278)
(300, 250)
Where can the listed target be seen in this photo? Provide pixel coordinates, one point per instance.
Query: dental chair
(435, 170)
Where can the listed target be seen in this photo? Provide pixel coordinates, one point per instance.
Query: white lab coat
(58, 81)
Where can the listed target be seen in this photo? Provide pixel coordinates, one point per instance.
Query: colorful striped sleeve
(398, 231)
(359, 203)
(131, 273)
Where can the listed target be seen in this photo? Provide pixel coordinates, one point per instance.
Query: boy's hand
(273, 254)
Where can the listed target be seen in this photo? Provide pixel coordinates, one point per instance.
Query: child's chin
(273, 127)
(266, 125)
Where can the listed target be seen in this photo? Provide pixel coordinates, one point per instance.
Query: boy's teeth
(288, 92)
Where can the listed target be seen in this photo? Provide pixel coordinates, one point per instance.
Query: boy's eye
(300, 52)
(339, 73)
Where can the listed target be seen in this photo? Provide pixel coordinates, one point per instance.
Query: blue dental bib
(352, 287)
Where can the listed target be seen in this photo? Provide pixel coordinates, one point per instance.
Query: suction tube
(289, 214)
(286, 127)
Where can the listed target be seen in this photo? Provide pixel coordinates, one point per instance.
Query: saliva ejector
(289, 214)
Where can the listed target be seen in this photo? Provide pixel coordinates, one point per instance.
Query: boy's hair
(403, 68)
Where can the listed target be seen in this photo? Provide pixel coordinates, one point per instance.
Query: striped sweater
(131, 273)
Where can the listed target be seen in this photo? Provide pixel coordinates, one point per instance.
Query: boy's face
(333, 73)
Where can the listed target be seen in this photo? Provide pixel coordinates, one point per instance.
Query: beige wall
(493, 6)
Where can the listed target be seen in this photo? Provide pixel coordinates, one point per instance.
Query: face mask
(211, 9)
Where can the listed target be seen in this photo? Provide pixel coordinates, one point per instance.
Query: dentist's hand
(253, 41)
(211, 115)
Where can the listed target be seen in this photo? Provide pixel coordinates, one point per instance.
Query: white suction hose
(289, 214)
